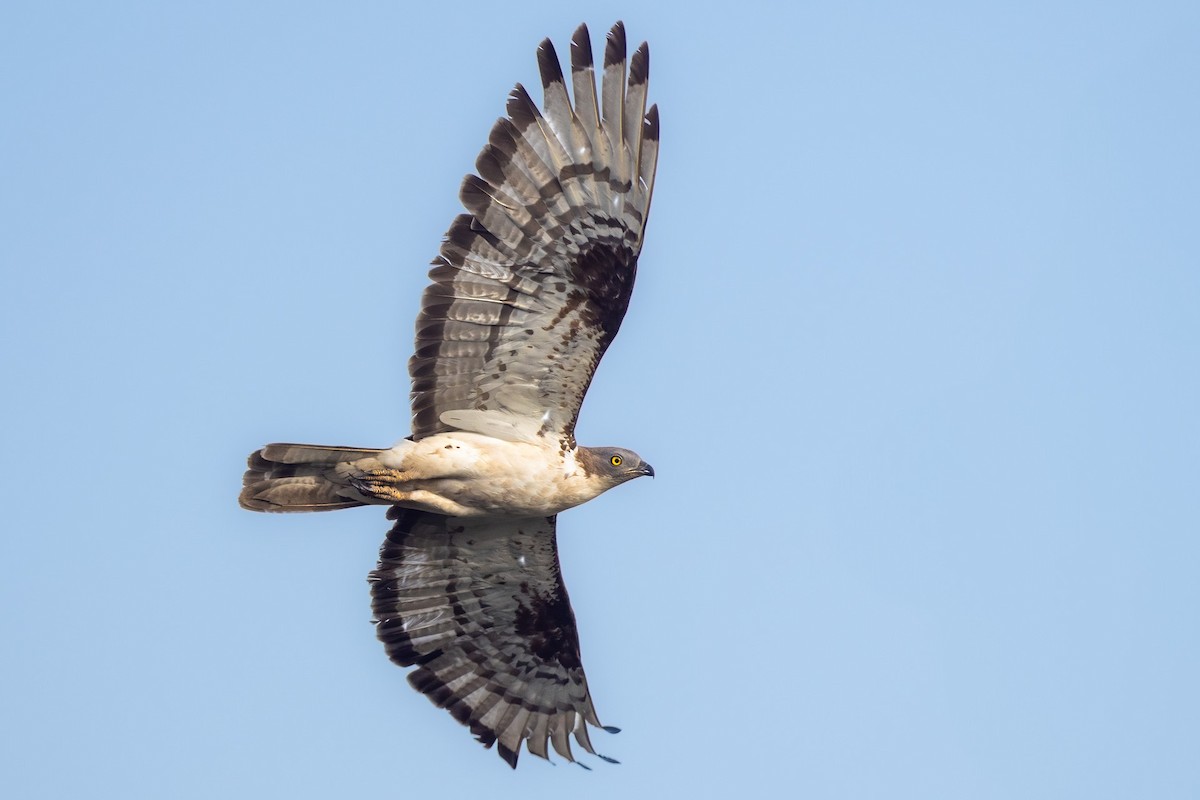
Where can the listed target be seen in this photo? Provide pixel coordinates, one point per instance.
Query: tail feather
(304, 477)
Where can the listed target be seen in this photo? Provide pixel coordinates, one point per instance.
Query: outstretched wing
(531, 285)
(478, 605)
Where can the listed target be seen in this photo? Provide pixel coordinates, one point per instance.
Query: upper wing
(479, 606)
(531, 286)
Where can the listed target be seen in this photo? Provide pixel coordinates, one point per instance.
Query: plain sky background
(915, 350)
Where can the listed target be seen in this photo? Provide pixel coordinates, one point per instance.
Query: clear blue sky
(914, 351)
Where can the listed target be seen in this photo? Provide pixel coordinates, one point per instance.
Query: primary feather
(531, 286)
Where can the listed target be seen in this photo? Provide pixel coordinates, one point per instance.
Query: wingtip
(548, 64)
(650, 130)
(581, 49)
(521, 108)
(639, 65)
(508, 754)
(614, 46)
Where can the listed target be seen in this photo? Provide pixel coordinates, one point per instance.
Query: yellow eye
(616, 461)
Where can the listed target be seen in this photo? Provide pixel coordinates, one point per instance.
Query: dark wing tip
(581, 49)
(473, 194)
(614, 48)
(508, 755)
(650, 126)
(548, 64)
(489, 166)
(521, 108)
(610, 729)
(460, 235)
(639, 65)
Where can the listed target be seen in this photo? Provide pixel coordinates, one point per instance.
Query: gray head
(614, 465)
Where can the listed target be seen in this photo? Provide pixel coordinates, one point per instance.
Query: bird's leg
(381, 484)
(396, 487)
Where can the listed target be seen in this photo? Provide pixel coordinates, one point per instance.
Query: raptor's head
(614, 465)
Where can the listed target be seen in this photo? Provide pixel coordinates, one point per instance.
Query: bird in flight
(527, 292)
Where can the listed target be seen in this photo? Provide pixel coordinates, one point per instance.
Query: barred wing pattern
(479, 606)
(531, 286)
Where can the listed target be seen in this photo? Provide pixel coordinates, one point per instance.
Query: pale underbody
(463, 474)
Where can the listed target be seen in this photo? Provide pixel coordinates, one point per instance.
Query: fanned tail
(304, 477)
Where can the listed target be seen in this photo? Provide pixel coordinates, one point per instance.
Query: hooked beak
(648, 470)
